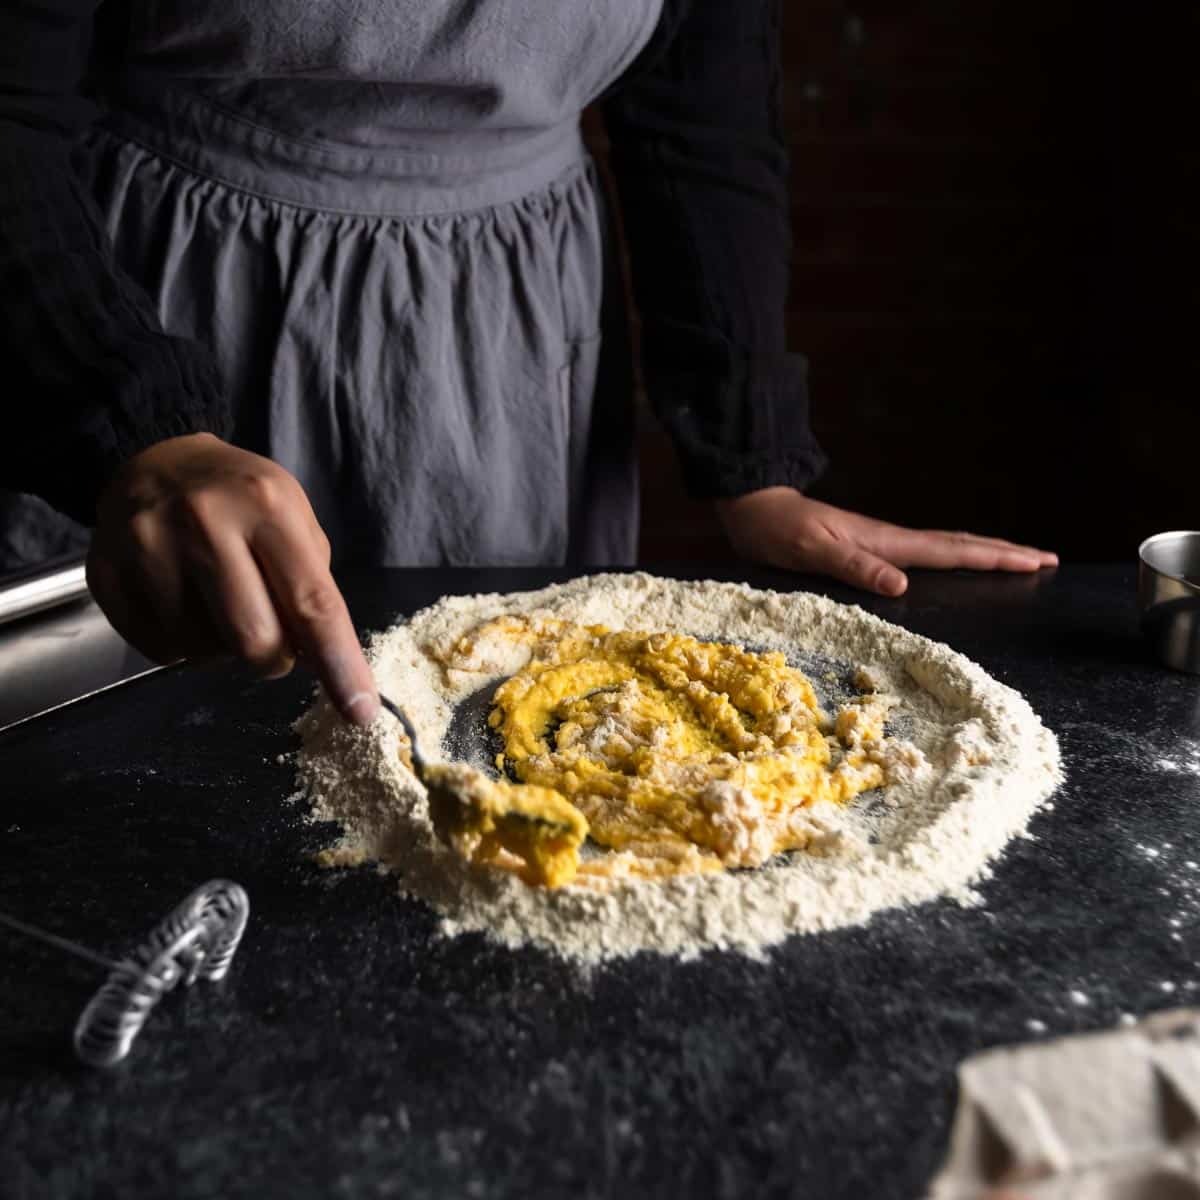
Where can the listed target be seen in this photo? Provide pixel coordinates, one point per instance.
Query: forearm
(700, 165)
(93, 376)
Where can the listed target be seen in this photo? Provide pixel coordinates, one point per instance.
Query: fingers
(239, 605)
(133, 620)
(315, 617)
(852, 563)
(140, 591)
(935, 548)
(171, 613)
(1044, 558)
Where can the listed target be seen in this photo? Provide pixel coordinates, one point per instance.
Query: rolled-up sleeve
(93, 378)
(700, 163)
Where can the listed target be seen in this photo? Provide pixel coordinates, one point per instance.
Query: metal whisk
(196, 940)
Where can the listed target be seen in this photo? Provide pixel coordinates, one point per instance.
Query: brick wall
(994, 272)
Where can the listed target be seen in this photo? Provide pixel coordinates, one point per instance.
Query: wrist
(760, 498)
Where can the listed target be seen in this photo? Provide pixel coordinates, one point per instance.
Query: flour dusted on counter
(966, 766)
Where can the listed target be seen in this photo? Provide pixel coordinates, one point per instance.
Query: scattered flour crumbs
(973, 763)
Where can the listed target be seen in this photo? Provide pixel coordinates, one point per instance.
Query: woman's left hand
(784, 528)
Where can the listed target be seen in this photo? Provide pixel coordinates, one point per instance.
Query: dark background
(996, 215)
(996, 231)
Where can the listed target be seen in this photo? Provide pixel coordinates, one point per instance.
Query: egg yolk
(674, 754)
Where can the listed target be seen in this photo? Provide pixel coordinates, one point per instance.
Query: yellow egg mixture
(680, 756)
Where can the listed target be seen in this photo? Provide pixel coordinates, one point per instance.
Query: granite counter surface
(352, 1051)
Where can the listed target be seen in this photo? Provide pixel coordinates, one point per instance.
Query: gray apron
(382, 220)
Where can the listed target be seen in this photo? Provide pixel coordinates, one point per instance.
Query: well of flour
(965, 764)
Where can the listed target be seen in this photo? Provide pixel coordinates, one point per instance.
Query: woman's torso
(230, 124)
(380, 218)
(457, 76)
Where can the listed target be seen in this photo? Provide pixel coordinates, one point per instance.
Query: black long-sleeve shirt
(699, 159)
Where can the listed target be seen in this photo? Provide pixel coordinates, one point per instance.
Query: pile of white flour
(974, 764)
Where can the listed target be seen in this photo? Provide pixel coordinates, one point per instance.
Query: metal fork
(418, 759)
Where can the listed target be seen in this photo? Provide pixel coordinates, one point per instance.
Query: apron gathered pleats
(398, 251)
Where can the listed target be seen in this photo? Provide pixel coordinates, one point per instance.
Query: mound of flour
(972, 763)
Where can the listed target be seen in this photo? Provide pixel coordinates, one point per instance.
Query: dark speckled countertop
(353, 1052)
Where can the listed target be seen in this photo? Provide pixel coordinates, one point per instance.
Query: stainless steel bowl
(1169, 597)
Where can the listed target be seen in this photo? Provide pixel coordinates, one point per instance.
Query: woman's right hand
(202, 549)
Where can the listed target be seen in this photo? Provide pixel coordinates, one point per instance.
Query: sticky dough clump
(683, 756)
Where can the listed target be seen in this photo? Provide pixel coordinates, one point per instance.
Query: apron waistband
(227, 147)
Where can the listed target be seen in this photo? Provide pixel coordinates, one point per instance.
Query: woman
(285, 279)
